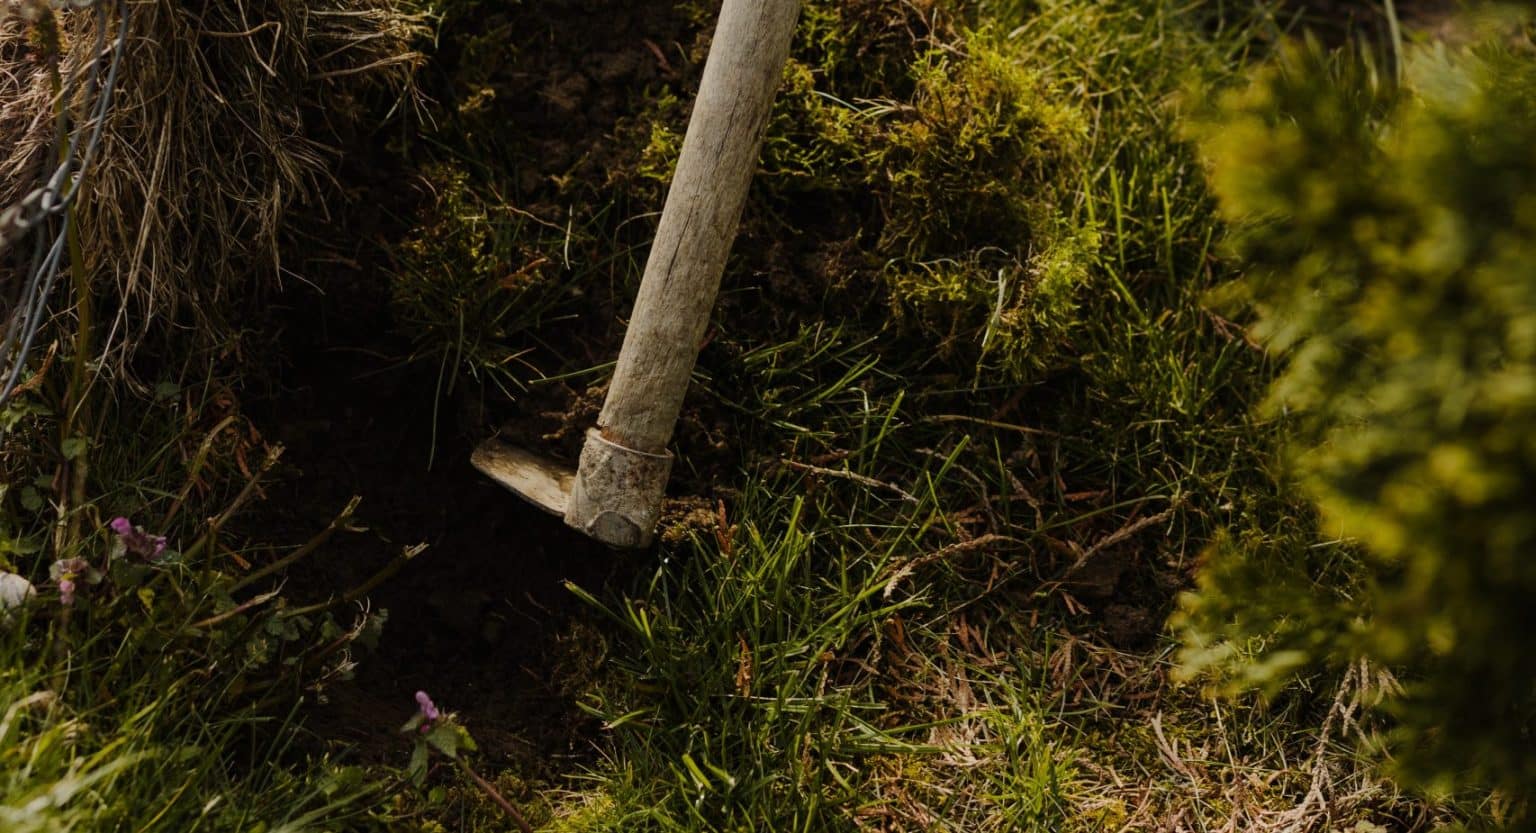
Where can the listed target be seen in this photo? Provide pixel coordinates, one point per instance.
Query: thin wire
(44, 209)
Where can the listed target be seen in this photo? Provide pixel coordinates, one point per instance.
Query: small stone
(15, 591)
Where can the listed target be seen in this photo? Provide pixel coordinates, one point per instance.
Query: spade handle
(698, 224)
(682, 275)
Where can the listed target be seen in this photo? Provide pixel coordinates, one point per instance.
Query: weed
(475, 274)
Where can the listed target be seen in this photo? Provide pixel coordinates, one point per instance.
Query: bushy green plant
(1390, 232)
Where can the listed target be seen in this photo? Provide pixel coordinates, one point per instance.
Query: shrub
(1391, 236)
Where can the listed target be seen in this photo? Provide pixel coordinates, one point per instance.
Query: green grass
(895, 626)
(167, 695)
(963, 462)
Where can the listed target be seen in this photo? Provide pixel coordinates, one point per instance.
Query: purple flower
(429, 712)
(136, 540)
(69, 572)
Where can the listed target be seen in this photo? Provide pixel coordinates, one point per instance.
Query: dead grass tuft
(229, 116)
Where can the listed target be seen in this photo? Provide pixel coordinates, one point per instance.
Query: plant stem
(217, 523)
(196, 467)
(302, 552)
(378, 578)
(517, 818)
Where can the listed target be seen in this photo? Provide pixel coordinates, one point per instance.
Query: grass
(933, 601)
(963, 429)
(170, 237)
(166, 694)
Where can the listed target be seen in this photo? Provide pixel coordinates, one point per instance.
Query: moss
(980, 173)
(985, 152)
(962, 178)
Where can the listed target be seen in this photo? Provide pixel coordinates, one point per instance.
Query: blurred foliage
(1390, 231)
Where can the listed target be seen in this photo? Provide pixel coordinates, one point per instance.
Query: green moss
(986, 151)
(965, 187)
(1021, 313)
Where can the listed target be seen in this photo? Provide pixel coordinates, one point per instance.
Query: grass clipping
(228, 115)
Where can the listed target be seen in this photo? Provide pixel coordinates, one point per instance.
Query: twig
(302, 552)
(1119, 535)
(42, 372)
(196, 468)
(517, 818)
(1341, 712)
(235, 505)
(235, 611)
(854, 476)
(992, 423)
(942, 553)
(353, 595)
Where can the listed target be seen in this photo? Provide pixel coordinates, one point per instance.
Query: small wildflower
(429, 712)
(68, 572)
(135, 540)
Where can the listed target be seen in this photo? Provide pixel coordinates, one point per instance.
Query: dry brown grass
(230, 114)
(1068, 734)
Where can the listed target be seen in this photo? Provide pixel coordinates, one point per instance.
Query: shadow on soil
(480, 619)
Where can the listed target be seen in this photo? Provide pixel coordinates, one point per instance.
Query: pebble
(15, 591)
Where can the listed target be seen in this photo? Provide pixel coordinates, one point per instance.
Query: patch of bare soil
(479, 619)
(482, 619)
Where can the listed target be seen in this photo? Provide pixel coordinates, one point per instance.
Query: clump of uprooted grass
(228, 117)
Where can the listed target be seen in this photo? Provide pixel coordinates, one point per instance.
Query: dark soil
(482, 619)
(478, 619)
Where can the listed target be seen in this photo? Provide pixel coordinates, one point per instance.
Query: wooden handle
(698, 224)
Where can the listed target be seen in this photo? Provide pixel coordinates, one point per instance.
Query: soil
(482, 620)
